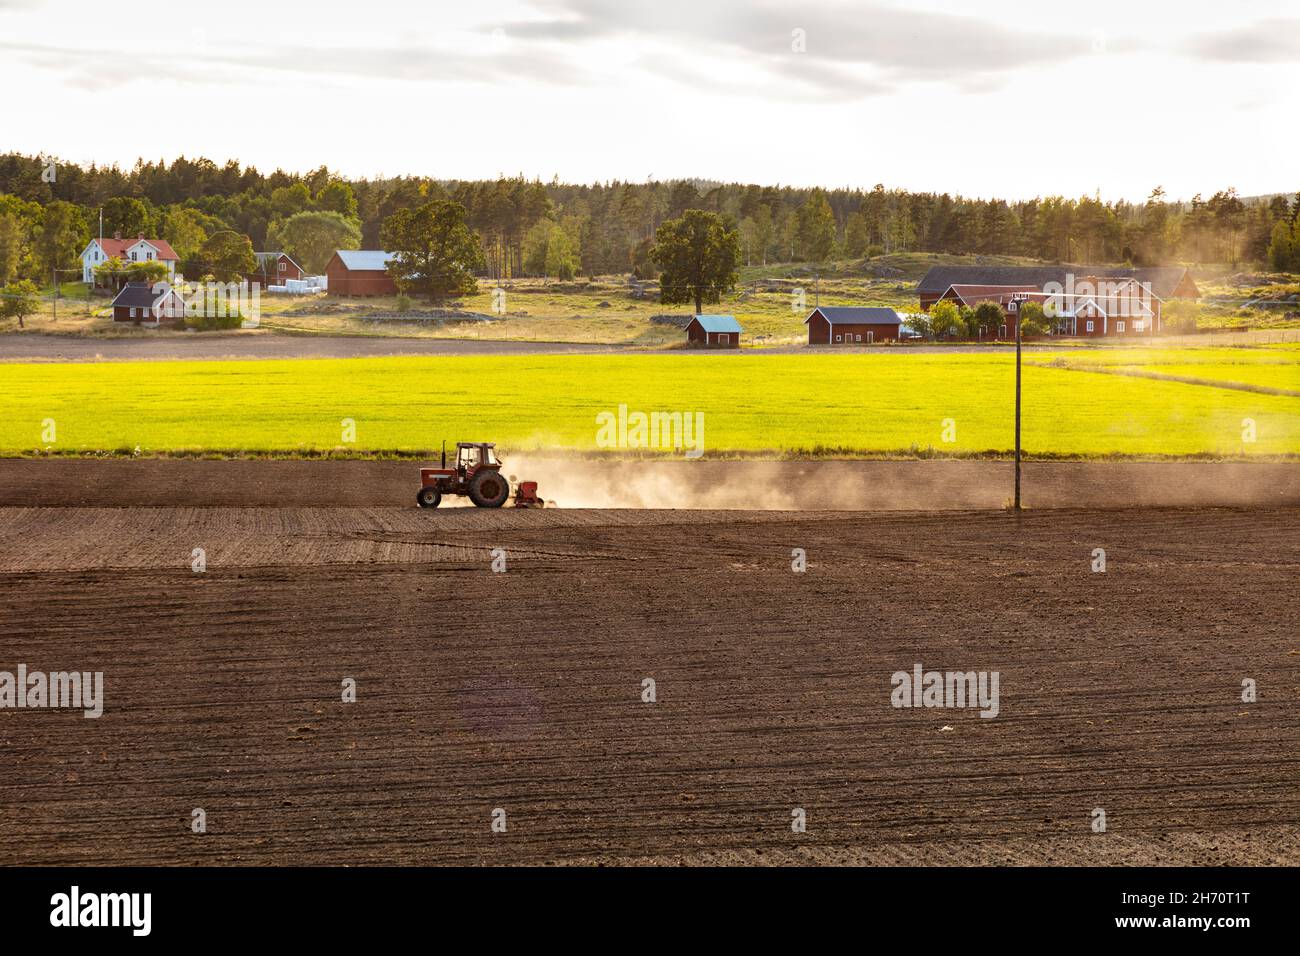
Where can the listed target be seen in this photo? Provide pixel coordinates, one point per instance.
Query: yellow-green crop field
(1274, 367)
(805, 404)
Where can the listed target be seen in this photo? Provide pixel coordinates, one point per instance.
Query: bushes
(1180, 315)
(988, 318)
(1033, 320)
(945, 320)
(211, 323)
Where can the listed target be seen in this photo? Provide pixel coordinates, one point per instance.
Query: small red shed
(713, 332)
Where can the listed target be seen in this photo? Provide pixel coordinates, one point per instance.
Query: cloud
(490, 63)
(846, 49)
(1266, 41)
(480, 60)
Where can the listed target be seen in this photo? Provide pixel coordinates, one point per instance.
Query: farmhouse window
(838, 339)
(133, 313)
(1139, 325)
(282, 267)
(1119, 326)
(871, 337)
(1090, 325)
(859, 338)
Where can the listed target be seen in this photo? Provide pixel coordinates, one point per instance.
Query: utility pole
(1016, 319)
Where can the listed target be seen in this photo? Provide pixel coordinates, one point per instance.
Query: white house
(139, 249)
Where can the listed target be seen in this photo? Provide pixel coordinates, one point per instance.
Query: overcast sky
(984, 97)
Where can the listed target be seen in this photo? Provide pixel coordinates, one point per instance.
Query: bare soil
(708, 484)
(522, 690)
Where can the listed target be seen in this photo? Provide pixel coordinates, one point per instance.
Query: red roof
(118, 247)
(989, 291)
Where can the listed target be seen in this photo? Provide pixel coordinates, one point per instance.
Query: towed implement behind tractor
(476, 474)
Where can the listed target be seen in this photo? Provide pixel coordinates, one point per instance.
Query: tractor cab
(470, 456)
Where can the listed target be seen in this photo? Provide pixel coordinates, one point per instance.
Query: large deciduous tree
(228, 256)
(697, 255)
(128, 216)
(184, 229)
(435, 253)
(312, 237)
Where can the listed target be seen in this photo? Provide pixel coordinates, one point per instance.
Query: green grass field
(1274, 367)
(815, 404)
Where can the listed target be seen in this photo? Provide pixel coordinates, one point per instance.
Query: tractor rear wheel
(428, 497)
(489, 489)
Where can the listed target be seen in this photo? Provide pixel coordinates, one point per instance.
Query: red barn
(714, 332)
(360, 272)
(972, 295)
(1095, 306)
(1165, 282)
(852, 325)
(273, 268)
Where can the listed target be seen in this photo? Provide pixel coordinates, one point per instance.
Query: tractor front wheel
(428, 497)
(489, 489)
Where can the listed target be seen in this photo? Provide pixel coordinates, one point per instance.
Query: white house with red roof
(139, 249)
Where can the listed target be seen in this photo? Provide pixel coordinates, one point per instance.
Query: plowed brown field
(522, 690)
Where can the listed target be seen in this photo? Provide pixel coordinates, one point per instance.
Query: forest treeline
(527, 227)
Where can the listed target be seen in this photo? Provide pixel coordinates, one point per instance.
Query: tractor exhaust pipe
(444, 453)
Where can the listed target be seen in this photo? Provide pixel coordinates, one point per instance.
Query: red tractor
(477, 474)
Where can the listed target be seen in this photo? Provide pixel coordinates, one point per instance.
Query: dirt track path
(255, 345)
(522, 691)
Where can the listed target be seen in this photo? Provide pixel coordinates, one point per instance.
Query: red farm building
(274, 268)
(852, 325)
(360, 272)
(1099, 307)
(1164, 282)
(142, 304)
(713, 331)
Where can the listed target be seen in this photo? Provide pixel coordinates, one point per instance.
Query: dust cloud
(902, 485)
(761, 485)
